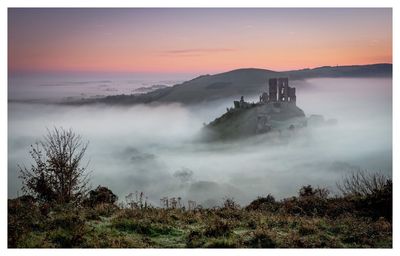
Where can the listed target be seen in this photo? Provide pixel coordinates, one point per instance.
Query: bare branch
(56, 174)
(362, 183)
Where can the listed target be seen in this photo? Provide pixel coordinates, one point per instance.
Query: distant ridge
(245, 81)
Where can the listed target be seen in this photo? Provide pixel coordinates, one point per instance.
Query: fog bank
(152, 148)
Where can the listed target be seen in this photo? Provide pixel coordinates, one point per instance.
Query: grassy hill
(245, 82)
(309, 220)
(242, 123)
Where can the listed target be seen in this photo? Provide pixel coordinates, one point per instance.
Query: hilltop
(241, 123)
(276, 112)
(247, 81)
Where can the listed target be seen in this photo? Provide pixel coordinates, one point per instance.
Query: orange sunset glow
(194, 40)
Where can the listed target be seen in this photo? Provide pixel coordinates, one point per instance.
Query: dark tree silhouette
(100, 195)
(309, 191)
(363, 183)
(56, 175)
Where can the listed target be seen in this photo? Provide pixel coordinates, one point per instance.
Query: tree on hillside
(363, 183)
(56, 176)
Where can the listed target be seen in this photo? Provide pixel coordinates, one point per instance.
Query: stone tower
(280, 91)
(273, 89)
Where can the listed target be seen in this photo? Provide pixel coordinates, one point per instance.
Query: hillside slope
(241, 123)
(245, 82)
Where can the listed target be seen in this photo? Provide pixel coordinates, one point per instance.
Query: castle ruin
(276, 111)
(279, 103)
(279, 91)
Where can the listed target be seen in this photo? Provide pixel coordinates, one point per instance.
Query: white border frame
(4, 4)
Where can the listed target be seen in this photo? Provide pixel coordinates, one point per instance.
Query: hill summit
(276, 111)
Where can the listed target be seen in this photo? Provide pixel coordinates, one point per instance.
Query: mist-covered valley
(62, 87)
(156, 148)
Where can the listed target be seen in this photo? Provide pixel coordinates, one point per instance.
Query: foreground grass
(224, 227)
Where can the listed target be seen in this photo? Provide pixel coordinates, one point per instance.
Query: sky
(179, 40)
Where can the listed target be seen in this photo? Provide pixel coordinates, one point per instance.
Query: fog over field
(154, 149)
(61, 87)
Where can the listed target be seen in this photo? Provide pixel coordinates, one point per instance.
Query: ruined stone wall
(280, 91)
(292, 95)
(273, 89)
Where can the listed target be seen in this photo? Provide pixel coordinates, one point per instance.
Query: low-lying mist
(154, 148)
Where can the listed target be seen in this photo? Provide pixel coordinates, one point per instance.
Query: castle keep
(275, 112)
(275, 108)
(279, 91)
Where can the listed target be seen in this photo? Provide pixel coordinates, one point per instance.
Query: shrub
(229, 214)
(371, 193)
(377, 204)
(267, 203)
(311, 202)
(339, 206)
(100, 195)
(218, 227)
(305, 206)
(309, 191)
(362, 183)
(57, 175)
(229, 203)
